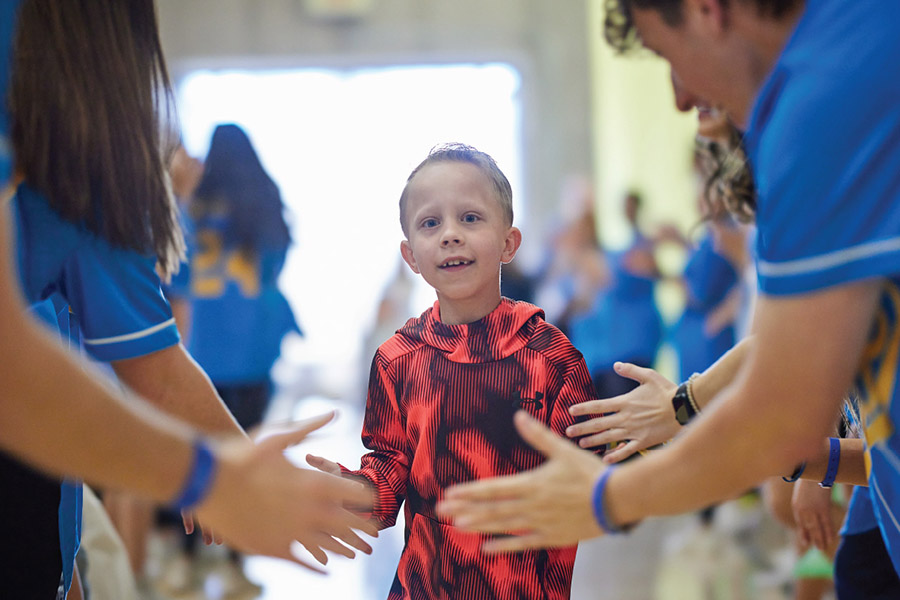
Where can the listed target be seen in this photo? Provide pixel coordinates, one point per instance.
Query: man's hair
(88, 98)
(618, 25)
(465, 154)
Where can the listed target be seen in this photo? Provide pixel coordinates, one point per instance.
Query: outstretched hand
(546, 507)
(642, 418)
(261, 503)
(814, 516)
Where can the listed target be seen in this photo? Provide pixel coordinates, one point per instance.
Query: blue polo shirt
(114, 293)
(8, 10)
(824, 141)
(77, 282)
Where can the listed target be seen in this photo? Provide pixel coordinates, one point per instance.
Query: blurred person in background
(235, 317)
(575, 266)
(619, 318)
(711, 281)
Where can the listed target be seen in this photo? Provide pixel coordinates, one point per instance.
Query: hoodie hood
(503, 332)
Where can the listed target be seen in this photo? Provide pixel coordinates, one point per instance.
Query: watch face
(681, 414)
(682, 405)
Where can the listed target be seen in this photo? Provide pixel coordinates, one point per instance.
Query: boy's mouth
(456, 262)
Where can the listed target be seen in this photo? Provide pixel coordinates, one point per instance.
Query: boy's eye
(470, 218)
(429, 223)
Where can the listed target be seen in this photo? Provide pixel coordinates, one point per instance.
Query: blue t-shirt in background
(824, 141)
(708, 279)
(623, 323)
(238, 314)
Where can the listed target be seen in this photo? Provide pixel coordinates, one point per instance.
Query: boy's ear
(407, 254)
(513, 241)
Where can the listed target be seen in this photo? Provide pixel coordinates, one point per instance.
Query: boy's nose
(450, 236)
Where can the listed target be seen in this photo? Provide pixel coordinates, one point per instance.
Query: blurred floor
(741, 555)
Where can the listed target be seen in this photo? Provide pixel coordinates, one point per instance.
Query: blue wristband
(599, 510)
(796, 474)
(200, 478)
(834, 459)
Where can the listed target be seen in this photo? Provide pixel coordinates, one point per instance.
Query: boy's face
(458, 238)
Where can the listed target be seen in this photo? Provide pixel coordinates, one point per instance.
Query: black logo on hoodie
(520, 402)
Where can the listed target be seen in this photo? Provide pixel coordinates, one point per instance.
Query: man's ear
(511, 245)
(712, 15)
(407, 254)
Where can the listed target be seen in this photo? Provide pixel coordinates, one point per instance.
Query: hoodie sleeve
(577, 388)
(577, 385)
(384, 433)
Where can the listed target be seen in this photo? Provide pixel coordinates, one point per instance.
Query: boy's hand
(262, 503)
(323, 464)
(332, 468)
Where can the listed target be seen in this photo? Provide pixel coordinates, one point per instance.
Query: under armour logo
(519, 401)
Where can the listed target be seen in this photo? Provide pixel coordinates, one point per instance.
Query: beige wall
(642, 141)
(545, 40)
(573, 85)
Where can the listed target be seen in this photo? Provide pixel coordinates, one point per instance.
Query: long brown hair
(235, 181)
(730, 184)
(88, 95)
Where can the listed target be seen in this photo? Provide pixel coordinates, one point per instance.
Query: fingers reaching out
(548, 506)
(323, 464)
(635, 421)
(262, 503)
(273, 439)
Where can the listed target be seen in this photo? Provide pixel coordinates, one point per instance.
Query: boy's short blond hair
(466, 154)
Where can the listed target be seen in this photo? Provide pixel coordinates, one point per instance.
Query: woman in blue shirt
(87, 80)
(238, 316)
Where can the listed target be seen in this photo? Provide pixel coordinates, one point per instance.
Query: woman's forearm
(774, 415)
(721, 374)
(184, 392)
(58, 415)
(851, 466)
(53, 404)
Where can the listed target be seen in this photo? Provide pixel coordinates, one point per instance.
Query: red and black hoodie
(439, 412)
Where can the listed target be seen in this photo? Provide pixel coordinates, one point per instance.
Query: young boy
(444, 388)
